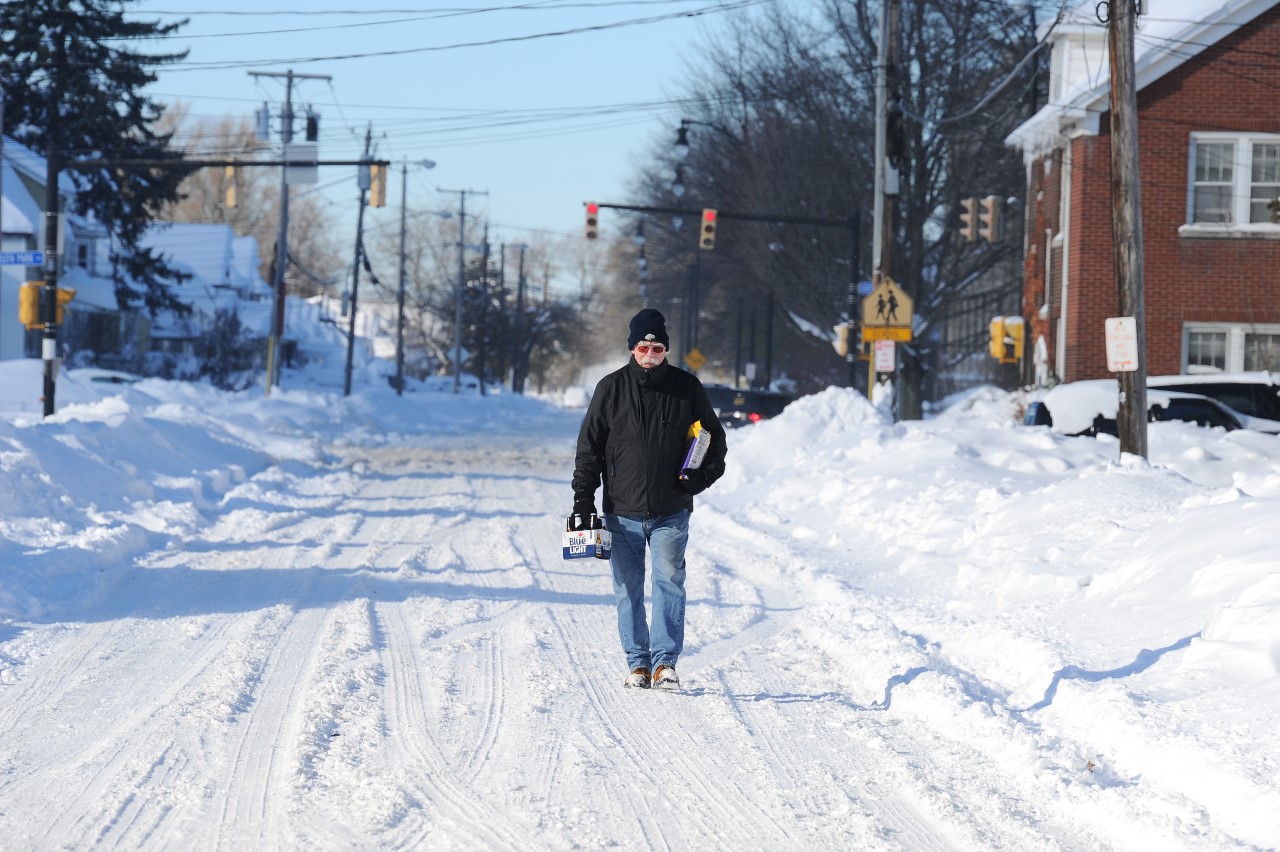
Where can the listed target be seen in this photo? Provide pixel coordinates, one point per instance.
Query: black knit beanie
(649, 325)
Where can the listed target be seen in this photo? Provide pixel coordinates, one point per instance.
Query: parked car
(1090, 407)
(742, 406)
(1256, 394)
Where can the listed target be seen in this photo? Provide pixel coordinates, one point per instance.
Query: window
(1264, 182)
(1230, 347)
(1234, 179)
(1262, 352)
(82, 256)
(1206, 350)
(1213, 182)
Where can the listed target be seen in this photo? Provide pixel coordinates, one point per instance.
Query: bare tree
(203, 197)
(781, 121)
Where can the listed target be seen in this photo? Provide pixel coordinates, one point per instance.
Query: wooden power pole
(1126, 218)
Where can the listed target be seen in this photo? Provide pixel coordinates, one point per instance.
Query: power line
(691, 13)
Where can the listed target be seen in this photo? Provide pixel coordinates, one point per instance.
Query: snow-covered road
(377, 645)
(388, 651)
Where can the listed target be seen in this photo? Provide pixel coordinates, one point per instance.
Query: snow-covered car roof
(1074, 406)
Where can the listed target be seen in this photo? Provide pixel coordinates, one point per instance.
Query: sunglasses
(645, 348)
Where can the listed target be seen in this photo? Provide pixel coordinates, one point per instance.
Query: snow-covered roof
(1169, 34)
(92, 291)
(202, 250)
(13, 220)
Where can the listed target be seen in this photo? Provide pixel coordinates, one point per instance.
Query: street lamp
(682, 140)
(404, 205)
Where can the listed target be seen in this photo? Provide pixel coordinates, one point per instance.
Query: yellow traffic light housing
(231, 196)
(377, 185)
(30, 296)
(1007, 335)
(996, 344)
(969, 219)
(990, 222)
(707, 239)
(841, 343)
(592, 227)
(29, 304)
(1013, 339)
(64, 298)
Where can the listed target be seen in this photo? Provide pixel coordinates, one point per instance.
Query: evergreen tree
(73, 90)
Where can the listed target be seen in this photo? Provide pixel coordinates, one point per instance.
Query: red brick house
(1208, 75)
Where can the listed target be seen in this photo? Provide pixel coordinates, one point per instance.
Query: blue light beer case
(586, 538)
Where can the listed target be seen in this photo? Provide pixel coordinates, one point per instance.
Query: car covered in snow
(1090, 408)
(1255, 394)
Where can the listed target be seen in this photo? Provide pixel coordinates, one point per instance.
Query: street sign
(886, 332)
(887, 304)
(695, 359)
(865, 288)
(21, 258)
(886, 359)
(887, 312)
(1122, 344)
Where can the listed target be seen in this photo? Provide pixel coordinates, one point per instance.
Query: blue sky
(467, 108)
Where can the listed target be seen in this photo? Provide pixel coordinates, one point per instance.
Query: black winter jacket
(634, 435)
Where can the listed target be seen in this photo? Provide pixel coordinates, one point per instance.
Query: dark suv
(1254, 394)
(1089, 408)
(741, 406)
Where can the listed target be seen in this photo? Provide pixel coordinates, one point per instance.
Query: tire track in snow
(99, 772)
(468, 822)
(253, 811)
(921, 772)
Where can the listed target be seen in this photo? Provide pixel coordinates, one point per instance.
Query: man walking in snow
(634, 436)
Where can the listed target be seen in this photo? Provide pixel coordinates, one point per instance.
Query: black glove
(584, 508)
(694, 481)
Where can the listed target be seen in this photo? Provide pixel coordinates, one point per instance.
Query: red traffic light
(592, 208)
(708, 238)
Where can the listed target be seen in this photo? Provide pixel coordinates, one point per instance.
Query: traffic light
(593, 220)
(64, 296)
(996, 344)
(230, 194)
(990, 225)
(29, 304)
(969, 218)
(313, 126)
(841, 343)
(707, 240)
(30, 295)
(1006, 339)
(1013, 338)
(377, 185)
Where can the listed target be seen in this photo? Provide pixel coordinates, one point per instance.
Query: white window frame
(1241, 192)
(1235, 343)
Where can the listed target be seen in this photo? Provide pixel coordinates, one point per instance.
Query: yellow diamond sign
(694, 359)
(887, 312)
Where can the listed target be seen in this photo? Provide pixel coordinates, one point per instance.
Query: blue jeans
(666, 537)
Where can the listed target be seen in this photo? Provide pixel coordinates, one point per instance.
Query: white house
(223, 269)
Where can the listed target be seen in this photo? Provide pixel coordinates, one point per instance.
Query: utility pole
(462, 283)
(855, 272)
(886, 189)
(885, 226)
(276, 334)
(483, 332)
(1126, 218)
(404, 205)
(49, 295)
(355, 273)
(521, 344)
